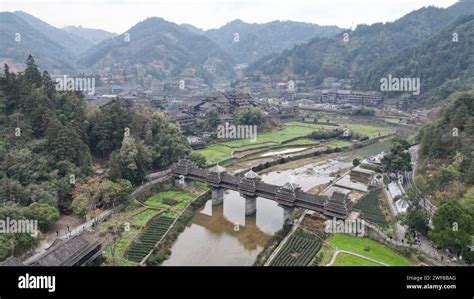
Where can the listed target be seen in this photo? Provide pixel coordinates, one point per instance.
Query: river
(222, 235)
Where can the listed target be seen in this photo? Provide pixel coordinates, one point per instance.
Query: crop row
(153, 232)
(369, 207)
(300, 249)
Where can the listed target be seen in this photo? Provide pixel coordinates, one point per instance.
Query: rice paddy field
(222, 151)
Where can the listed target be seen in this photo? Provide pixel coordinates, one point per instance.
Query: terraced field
(154, 230)
(370, 209)
(299, 249)
(221, 151)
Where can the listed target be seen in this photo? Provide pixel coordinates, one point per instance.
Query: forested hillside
(161, 48)
(247, 43)
(446, 171)
(19, 39)
(444, 63)
(51, 141)
(370, 51)
(94, 36)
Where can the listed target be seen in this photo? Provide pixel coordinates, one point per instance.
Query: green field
(370, 131)
(377, 251)
(143, 217)
(337, 143)
(159, 200)
(303, 141)
(344, 259)
(221, 151)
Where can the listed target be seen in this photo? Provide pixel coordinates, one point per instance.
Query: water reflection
(223, 235)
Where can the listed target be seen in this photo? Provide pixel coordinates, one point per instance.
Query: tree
(249, 116)
(355, 162)
(32, 74)
(212, 119)
(130, 161)
(398, 159)
(453, 227)
(43, 213)
(198, 159)
(81, 205)
(108, 129)
(416, 220)
(467, 203)
(115, 192)
(65, 144)
(48, 85)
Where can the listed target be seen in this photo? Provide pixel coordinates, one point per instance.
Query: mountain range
(419, 44)
(370, 53)
(156, 47)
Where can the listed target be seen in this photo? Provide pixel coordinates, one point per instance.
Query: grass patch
(216, 153)
(344, 259)
(303, 141)
(377, 251)
(337, 143)
(142, 218)
(160, 200)
(200, 186)
(132, 206)
(371, 131)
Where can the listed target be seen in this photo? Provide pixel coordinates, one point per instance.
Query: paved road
(354, 254)
(75, 231)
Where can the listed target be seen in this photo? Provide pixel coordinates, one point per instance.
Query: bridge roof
(65, 252)
(217, 169)
(288, 194)
(11, 262)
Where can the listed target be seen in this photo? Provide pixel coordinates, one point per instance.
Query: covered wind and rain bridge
(250, 186)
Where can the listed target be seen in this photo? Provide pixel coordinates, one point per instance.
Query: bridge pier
(181, 183)
(217, 196)
(250, 205)
(287, 214)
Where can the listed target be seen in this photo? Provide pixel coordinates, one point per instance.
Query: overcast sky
(119, 15)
